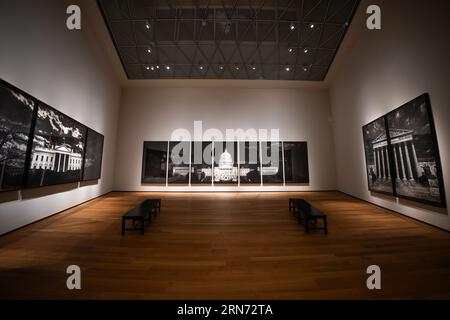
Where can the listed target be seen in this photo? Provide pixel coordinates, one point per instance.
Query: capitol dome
(226, 160)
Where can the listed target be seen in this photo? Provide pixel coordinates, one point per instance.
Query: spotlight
(305, 50)
(305, 68)
(152, 68)
(253, 67)
(167, 67)
(157, 66)
(312, 25)
(236, 66)
(287, 68)
(147, 67)
(292, 26)
(149, 50)
(290, 50)
(147, 25)
(201, 67)
(220, 67)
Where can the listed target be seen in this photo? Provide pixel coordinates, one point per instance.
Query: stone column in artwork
(402, 164)
(408, 162)
(397, 173)
(383, 164)
(59, 162)
(415, 161)
(377, 159)
(388, 165)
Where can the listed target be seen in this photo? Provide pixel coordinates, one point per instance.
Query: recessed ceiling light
(292, 26)
(287, 68)
(290, 50)
(201, 67)
(167, 67)
(312, 25)
(157, 66)
(147, 67)
(152, 68)
(149, 50)
(305, 50)
(147, 25)
(220, 67)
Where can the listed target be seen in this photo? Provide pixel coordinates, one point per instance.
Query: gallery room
(224, 150)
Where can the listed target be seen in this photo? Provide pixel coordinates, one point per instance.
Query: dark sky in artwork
(413, 116)
(54, 127)
(374, 130)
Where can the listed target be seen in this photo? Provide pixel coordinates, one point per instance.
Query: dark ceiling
(274, 40)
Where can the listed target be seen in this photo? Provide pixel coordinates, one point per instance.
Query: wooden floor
(226, 246)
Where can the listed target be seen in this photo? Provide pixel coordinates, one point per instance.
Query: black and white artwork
(272, 162)
(16, 114)
(225, 162)
(58, 149)
(296, 162)
(201, 162)
(154, 163)
(415, 154)
(92, 168)
(179, 159)
(249, 162)
(378, 169)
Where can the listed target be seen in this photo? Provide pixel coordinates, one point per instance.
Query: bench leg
(123, 226)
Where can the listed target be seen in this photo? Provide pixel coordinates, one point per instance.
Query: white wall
(152, 113)
(65, 70)
(377, 71)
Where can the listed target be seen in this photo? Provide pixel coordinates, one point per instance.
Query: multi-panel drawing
(40, 146)
(225, 163)
(402, 154)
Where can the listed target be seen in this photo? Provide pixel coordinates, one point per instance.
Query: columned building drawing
(404, 153)
(59, 159)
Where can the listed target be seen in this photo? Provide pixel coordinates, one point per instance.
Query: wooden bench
(307, 213)
(140, 213)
